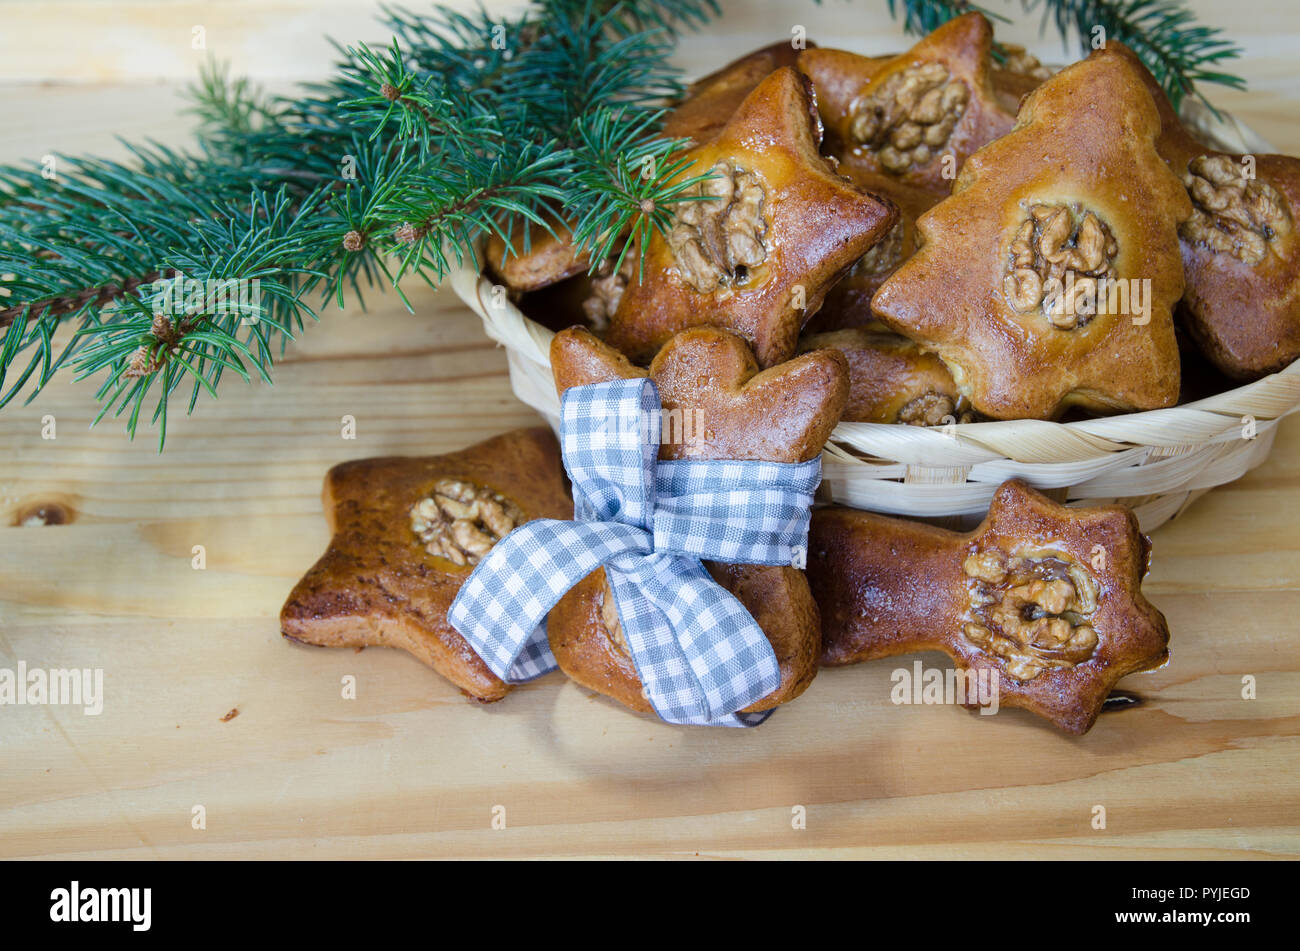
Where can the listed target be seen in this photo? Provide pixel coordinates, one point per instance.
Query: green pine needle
(466, 125)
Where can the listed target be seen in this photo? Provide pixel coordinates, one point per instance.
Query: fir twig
(464, 126)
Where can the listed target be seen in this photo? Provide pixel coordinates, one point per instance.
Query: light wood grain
(410, 769)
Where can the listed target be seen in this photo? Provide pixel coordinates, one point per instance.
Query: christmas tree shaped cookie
(1049, 277)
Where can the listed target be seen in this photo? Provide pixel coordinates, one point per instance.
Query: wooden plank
(410, 769)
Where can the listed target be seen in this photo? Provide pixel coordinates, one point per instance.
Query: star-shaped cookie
(724, 408)
(901, 117)
(407, 531)
(1049, 277)
(762, 240)
(1046, 599)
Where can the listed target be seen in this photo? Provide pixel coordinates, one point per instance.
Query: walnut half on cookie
(406, 533)
(1046, 598)
(915, 118)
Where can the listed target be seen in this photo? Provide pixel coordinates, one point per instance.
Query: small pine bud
(390, 92)
(353, 241)
(141, 364)
(161, 329)
(408, 233)
(647, 206)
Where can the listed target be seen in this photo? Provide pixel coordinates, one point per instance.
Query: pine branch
(464, 126)
(399, 163)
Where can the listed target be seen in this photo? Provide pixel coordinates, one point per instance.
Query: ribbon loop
(700, 655)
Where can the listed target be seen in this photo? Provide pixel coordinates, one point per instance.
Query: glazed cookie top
(892, 380)
(711, 100)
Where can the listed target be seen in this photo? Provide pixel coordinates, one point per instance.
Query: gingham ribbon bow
(699, 653)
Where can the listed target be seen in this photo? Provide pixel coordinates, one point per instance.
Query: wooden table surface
(410, 769)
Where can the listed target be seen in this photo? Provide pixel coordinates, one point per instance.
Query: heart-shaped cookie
(723, 407)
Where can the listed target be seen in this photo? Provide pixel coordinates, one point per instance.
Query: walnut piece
(1062, 262)
(908, 120)
(718, 232)
(882, 259)
(1031, 610)
(461, 521)
(1024, 63)
(607, 287)
(1232, 214)
(935, 409)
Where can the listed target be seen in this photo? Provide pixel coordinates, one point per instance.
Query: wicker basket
(1156, 462)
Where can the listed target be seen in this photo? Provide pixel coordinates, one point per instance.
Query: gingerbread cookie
(1241, 245)
(758, 244)
(711, 101)
(902, 117)
(536, 260)
(406, 532)
(892, 380)
(1047, 598)
(1048, 279)
(710, 384)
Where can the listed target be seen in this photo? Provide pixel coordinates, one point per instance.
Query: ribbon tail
(699, 653)
(502, 606)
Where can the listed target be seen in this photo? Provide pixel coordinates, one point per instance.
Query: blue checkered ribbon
(700, 655)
